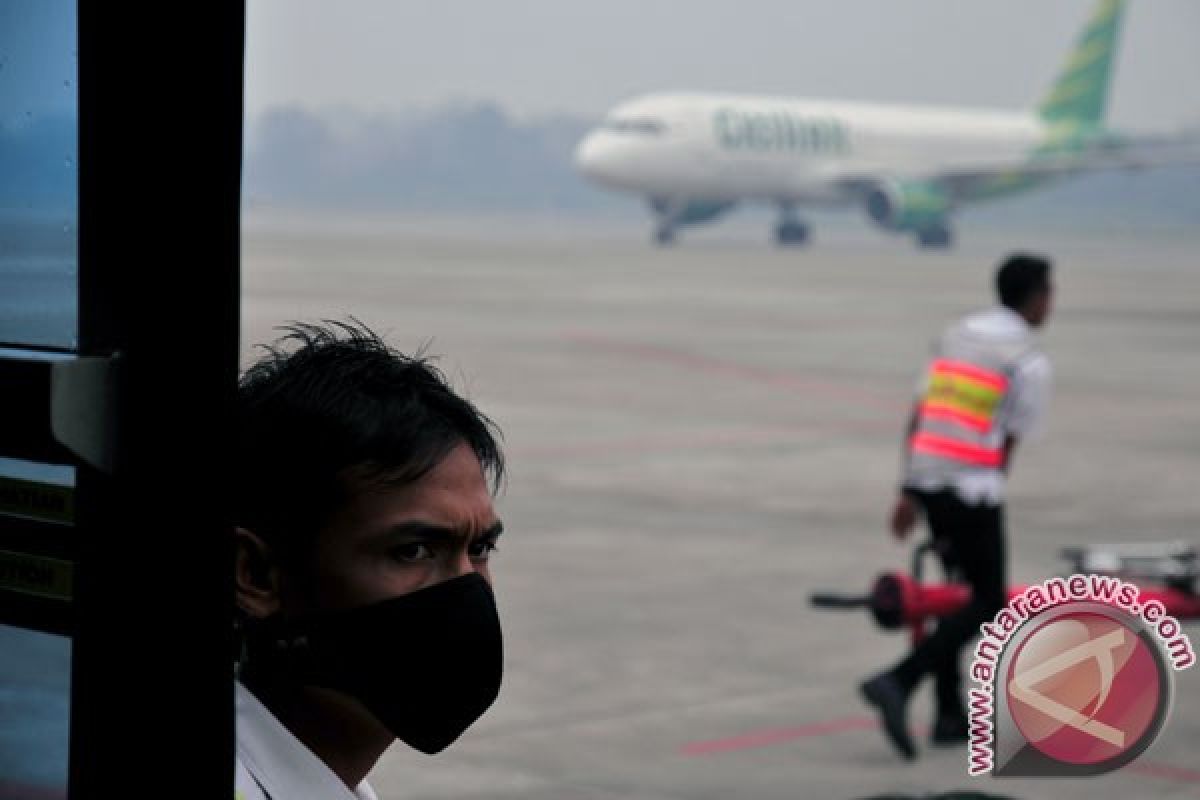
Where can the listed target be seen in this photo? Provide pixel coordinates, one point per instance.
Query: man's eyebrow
(423, 530)
(429, 530)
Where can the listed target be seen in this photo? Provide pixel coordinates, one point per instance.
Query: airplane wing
(968, 179)
(1129, 154)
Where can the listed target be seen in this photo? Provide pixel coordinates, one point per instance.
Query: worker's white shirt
(272, 764)
(1021, 415)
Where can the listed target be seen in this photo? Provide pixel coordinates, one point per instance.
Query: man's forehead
(464, 505)
(456, 479)
(459, 464)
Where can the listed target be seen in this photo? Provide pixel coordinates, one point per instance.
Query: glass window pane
(30, 490)
(35, 668)
(39, 187)
(38, 307)
(34, 713)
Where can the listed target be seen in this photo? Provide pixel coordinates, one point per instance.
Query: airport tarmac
(700, 437)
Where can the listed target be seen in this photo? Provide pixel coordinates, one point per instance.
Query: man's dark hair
(332, 402)
(1020, 277)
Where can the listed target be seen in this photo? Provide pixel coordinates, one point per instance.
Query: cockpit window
(644, 126)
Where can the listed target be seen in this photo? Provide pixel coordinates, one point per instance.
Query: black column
(160, 97)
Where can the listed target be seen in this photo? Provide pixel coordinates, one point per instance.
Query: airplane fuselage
(777, 149)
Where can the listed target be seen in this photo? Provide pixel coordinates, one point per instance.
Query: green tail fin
(1081, 92)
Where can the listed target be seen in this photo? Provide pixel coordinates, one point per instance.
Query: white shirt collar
(282, 765)
(998, 321)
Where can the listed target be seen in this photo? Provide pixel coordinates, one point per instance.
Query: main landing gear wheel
(664, 236)
(935, 238)
(791, 233)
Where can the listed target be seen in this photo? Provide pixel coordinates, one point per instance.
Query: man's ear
(256, 576)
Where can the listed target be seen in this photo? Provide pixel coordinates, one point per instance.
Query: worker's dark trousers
(970, 540)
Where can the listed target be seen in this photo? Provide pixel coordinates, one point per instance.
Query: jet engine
(908, 206)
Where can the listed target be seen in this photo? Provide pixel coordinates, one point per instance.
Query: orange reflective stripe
(946, 411)
(993, 380)
(945, 447)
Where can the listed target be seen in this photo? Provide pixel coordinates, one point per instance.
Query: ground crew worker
(365, 525)
(984, 389)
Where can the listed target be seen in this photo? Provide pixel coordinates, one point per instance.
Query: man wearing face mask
(365, 527)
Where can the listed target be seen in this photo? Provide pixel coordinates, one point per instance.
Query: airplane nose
(590, 157)
(609, 161)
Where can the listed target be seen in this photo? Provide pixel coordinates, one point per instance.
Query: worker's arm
(1031, 388)
(1010, 446)
(904, 512)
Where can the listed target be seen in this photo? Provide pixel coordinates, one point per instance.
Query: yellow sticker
(30, 574)
(42, 501)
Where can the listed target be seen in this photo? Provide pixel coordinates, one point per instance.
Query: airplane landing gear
(791, 233)
(939, 237)
(791, 230)
(667, 214)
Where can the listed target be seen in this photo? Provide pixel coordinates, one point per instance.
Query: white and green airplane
(696, 155)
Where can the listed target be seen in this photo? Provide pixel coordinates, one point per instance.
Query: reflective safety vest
(968, 384)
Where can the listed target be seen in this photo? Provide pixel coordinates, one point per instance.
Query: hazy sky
(542, 56)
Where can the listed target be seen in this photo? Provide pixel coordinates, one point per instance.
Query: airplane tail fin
(1081, 92)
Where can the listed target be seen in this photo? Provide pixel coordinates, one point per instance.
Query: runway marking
(779, 379)
(769, 737)
(1157, 769)
(773, 736)
(702, 439)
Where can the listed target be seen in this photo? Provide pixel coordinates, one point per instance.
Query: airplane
(695, 156)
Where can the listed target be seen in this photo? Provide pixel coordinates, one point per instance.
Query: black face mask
(426, 664)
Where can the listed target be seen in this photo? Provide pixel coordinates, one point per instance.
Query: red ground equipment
(1169, 573)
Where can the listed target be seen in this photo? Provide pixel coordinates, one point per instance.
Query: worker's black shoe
(891, 698)
(950, 730)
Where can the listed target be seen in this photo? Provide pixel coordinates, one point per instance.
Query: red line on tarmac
(1157, 769)
(773, 736)
(716, 366)
(699, 440)
(676, 442)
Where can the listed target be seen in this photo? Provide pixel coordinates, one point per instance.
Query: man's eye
(482, 550)
(414, 551)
